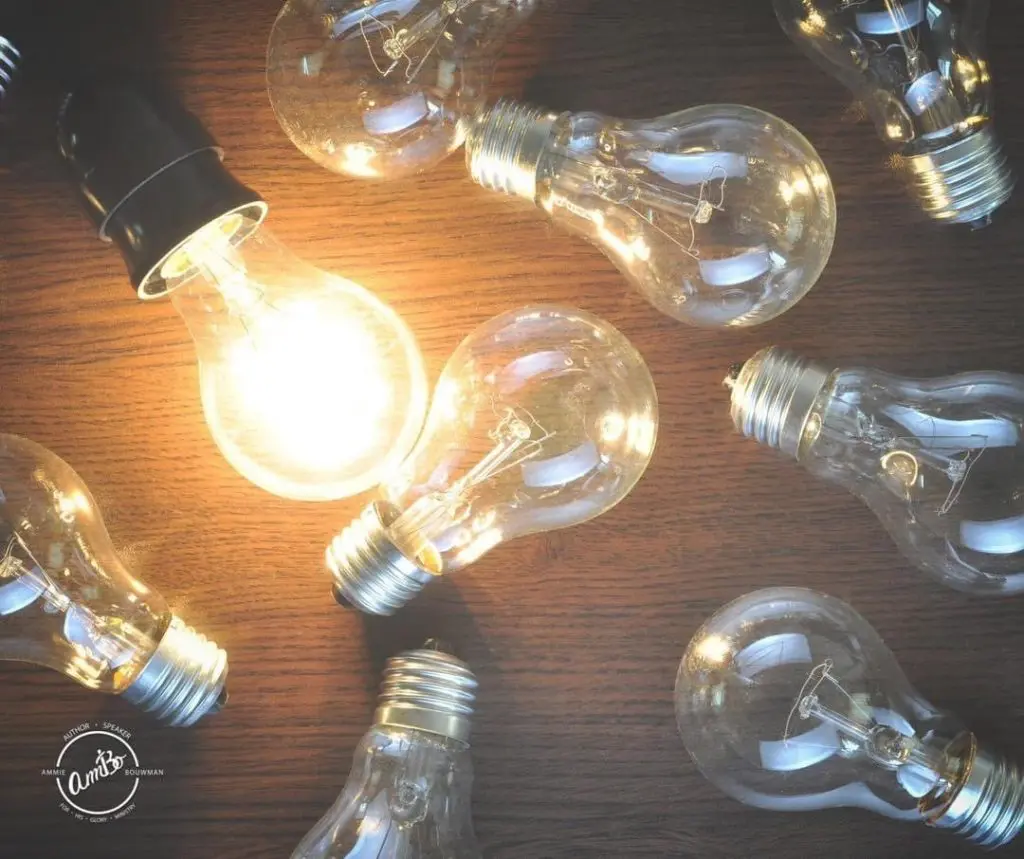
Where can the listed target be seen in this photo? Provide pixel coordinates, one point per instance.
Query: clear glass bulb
(68, 603)
(940, 462)
(384, 88)
(408, 795)
(543, 418)
(788, 700)
(312, 387)
(720, 215)
(919, 67)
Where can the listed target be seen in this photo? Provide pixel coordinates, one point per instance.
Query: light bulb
(312, 387)
(408, 795)
(68, 603)
(10, 60)
(720, 215)
(920, 69)
(938, 461)
(543, 418)
(384, 88)
(788, 700)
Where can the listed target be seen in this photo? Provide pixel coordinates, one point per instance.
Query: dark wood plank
(575, 635)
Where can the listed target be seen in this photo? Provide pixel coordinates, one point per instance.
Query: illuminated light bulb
(68, 603)
(384, 88)
(408, 795)
(939, 461)
(720, 215)
(787, 700)
(920, 69)
(312, 387)
(544, 417)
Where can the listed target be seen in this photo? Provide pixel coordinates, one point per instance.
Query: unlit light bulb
(543, 418)
(10, 60)
(382, 89)
(720, 215)
(940, 461)
(312, 387)
(919, 66)
(788, 700)
(408, 795)
(68, 603)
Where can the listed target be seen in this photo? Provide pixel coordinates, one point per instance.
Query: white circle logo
(98, 773)
(102, 788)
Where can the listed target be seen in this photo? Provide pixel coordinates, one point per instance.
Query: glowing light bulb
(940, 462)
(384, 88)
(788, 700)
(312, 387)
(720, 215)
(920, 69)
(68, 603)
(543, 418)
(408, 796)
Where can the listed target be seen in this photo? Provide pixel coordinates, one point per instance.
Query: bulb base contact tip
(505, 145)
(428, 690)
(988, 808)
(10, 59)
(183, 679)
(370, 572)
(772, 395)
(964, 182)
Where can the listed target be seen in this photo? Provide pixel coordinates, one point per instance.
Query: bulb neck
(370, 572)
(964, 182)
(988, 807)
(427, 690)
(183, 679)
(504, 147)
(772, 397)
(10, 59)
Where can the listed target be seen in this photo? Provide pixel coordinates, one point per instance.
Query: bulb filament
(518, 438)
(398, 42)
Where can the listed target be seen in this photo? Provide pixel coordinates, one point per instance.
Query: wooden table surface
(575, 636)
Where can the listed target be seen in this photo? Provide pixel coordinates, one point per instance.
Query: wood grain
(575, 636)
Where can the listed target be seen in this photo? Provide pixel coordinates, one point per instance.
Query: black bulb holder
(149, 175)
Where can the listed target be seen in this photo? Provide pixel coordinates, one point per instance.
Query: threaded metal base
(504, 147)
(989, 807)
(427, 690)
(772, 395)
(964, 182)
(9, 61)
(369, 570)
(184, 678)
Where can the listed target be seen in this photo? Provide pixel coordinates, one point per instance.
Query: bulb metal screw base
(183, 679)
(988, 809)
(772, 396)
(504, 147)
(428, 690)
(964, 182)
(370, 572)
(10, 59)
